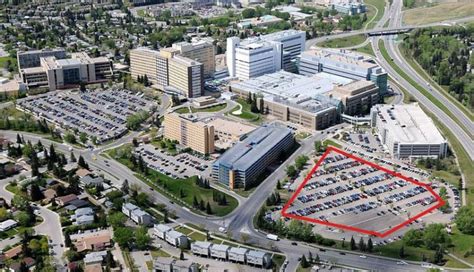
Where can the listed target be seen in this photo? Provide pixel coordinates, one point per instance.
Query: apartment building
(200, 51)
(29, 59)
(144, 61)
(343, 63)
(57, 74)
(189, 132)
(407, 132)
(246, 161)
(265, 54)
(186, 76)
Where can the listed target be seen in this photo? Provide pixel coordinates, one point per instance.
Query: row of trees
(444, 54)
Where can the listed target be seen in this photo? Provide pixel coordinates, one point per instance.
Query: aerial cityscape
(236, 135)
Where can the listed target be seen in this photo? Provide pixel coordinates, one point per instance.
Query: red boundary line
(341, 226)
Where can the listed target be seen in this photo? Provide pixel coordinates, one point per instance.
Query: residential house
(91, 180)
(160, 230)
(93, 268)
(82, 172)
(141, 217)
(163, 264)
(65, 200)
(8, 224)
(201, 248)
(237, 254)
(176, 239)
(185, 266)
(95, 257)
(220, 251)
(13, 252)
(84, 220)
(92, 240)
(259, 258)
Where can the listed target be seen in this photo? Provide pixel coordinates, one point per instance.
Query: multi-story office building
(246, 161)
(357, 97)
(201, 51)
(67, 73)
(186, 76)
(314, 102)
(168, 70)
(350, 8)
(257, 56)
(407, 131)
(29, 59)
(144, 61)
(343, 63)
(189, 132)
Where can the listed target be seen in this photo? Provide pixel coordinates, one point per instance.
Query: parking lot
(179, 166)
(101, 114)
(348, 192)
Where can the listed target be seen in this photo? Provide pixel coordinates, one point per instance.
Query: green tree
(435, 235)
(291, 171)
(142, 239)
(123, 236)
(83, 137)
(70, 138)
(465, 219)
(116, 219)
(304, 263)
(353, 244)
(370, 245)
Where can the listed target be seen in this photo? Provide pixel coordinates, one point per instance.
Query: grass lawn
(462, 243)
(438, 13)
(182, 110)
(247, 114)
(278, 261)
(449, 177)
(195, 226)
(302, 135)
(159, 253)
(210, 109)
(372, 17)
(332, 143)
(196, 236)
(176, 187)
(16, 190)
(367, 49)
(184, 230)
(426, 93)
(3, 61)
(215, 108)
(344, 42)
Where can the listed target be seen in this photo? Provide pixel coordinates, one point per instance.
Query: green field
(344, 42)
(215, 108)
(247, 114)
(462, 243)
(372, 16)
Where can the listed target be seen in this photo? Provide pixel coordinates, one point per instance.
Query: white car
(402, 263)
(363, 256)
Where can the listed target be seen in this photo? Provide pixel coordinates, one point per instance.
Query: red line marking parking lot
(329, 149)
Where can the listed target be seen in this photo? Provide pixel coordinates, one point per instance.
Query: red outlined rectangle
(329, 149)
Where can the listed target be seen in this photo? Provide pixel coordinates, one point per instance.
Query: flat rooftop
(409, 124)
(231, 127)
(340, 55)
(297, 90)
(245, 153)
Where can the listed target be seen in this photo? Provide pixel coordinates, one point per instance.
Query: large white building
(343, 63)
(407, 131)
(265, 54)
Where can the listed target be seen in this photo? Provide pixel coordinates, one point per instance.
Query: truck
(272, 237)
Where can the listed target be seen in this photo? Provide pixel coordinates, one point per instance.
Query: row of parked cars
(404, 195)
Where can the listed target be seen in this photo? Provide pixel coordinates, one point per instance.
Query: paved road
(50, 226)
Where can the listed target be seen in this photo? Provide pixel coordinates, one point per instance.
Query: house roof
(83, 172)
(67, 198)
(11, 253)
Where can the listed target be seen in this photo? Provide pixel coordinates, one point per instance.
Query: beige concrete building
(201, 51)
(144, 61)
(186, 76)
(67, 73)
(357, 97)
(189, 132)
